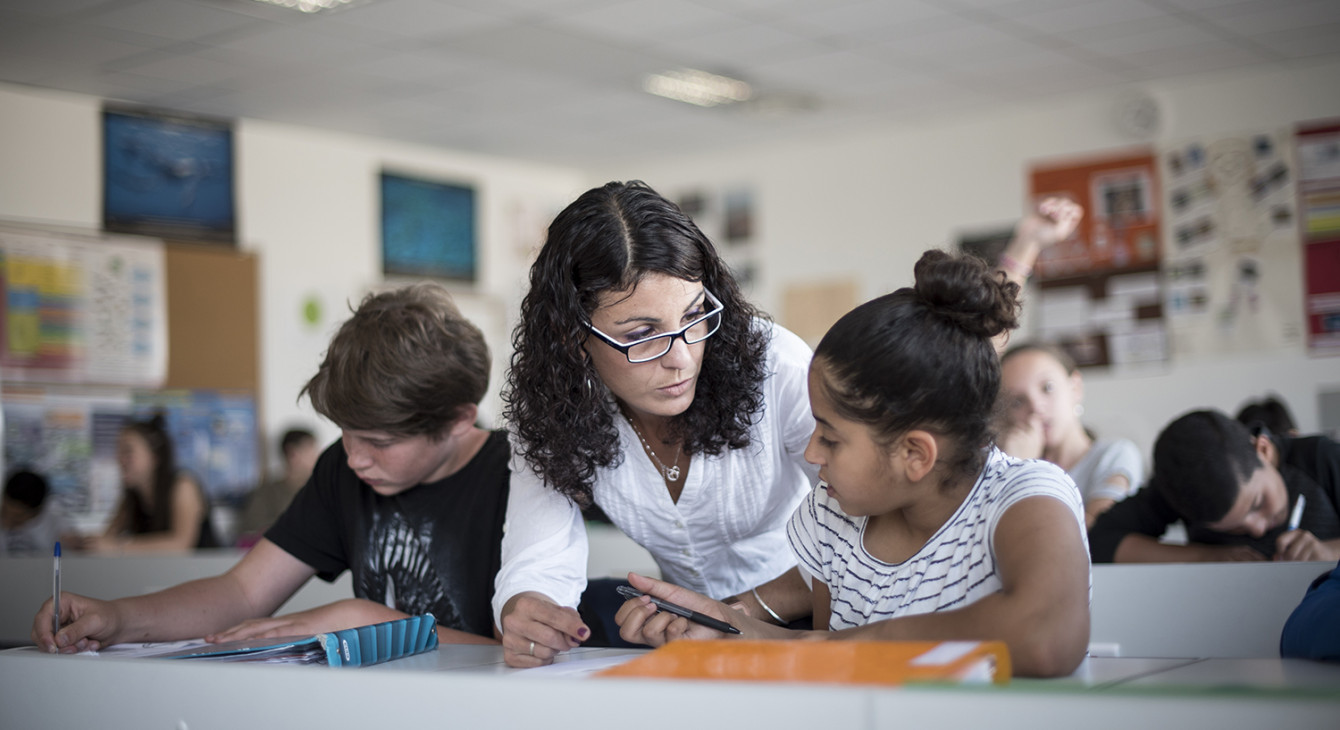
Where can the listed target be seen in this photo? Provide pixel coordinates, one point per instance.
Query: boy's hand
(1303, 545)
(87, 624)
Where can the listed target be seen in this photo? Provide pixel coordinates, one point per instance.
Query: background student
(31, 521)
(299, 451)
(162, 508)
(1234, 490)
(920, 529)
(1042, 398)
(1270, 412)
(1313, 629)
(410, 500)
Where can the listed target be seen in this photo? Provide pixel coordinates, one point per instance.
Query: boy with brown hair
(411, 500)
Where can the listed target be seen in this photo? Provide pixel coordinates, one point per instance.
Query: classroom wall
(872, 202)
(308, 207)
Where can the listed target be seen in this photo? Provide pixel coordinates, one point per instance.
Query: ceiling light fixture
(697, 87)
(308, 6)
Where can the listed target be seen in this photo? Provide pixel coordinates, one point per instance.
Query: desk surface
(469, 686)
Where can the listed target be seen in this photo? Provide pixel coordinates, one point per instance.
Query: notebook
(841, 662)
(356, 647)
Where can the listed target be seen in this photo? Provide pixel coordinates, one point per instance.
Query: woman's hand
(535, 630)
(640, 622)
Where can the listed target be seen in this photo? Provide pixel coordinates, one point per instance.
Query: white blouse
(727, 532)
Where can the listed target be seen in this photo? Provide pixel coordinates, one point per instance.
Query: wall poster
(82, 310)
(1231, 253)
(1319, 200)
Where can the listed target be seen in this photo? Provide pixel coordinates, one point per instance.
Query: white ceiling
(559, 80)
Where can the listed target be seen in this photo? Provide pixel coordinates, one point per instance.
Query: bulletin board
(1319, 196)
(1099, 295)
(1232, 261)
(213, 323)
(95, 329)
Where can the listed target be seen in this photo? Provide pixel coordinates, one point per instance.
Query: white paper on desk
(578, 667)
(146, 649)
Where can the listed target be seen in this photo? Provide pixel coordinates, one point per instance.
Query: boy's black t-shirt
(433, 548)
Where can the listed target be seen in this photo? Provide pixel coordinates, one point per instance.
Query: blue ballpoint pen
(55, 592)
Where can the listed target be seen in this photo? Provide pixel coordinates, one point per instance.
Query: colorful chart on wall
(70, 438)
(1319, 199)
(1099, 295)
(82, 310)
(1232, 262)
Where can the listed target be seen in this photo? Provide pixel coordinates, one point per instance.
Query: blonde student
(920, 527)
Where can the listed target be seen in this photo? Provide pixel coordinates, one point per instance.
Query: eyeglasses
(650, 348)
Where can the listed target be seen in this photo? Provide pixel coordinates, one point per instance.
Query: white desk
(469, 687)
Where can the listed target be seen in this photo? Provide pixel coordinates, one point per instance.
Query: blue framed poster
(428, 228)
(167, 175)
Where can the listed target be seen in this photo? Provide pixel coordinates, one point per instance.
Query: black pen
(694, 616)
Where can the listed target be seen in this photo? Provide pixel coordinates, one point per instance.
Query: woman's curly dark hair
(608, 240)
(922, 357)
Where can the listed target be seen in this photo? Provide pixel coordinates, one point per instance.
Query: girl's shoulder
(1005, 476)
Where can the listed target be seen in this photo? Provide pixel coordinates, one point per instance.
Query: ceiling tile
(182, 21)
(1316, 40)
(1252, 19)
(415, 18)
(642, 21)
(1087, 15)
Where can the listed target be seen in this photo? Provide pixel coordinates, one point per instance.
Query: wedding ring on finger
(532, 648)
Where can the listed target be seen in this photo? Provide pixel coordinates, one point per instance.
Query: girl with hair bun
(920, 528)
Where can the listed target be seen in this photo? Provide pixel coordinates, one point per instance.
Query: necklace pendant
(672, 473)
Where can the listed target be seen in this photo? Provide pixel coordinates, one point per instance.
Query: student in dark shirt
(1313, 629)
(411, 500)
(1235, 491)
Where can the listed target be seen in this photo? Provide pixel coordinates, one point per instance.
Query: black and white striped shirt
(954, 569)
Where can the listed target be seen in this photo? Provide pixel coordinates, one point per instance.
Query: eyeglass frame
(681, 333)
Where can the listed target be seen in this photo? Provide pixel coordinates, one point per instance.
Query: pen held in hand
(694, 616)
(1296, 517)
(55, 590)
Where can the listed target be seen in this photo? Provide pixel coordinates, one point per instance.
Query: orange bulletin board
(1100, 295)
(1120, 229)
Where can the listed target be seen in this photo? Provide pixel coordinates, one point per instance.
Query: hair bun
(966, 292)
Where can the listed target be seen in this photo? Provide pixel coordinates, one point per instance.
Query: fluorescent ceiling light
(308, 6)
(697, 87)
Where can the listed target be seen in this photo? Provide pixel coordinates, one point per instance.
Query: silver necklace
(670, 474)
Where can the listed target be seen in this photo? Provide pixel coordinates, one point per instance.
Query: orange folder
(838, 662)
